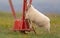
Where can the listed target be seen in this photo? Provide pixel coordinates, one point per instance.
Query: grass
(7, 21)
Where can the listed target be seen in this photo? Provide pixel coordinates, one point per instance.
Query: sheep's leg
(29, 23)
(31, 26)
(33, 29)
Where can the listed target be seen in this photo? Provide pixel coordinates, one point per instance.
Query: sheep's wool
(37, 17)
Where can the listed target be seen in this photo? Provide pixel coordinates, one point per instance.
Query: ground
(7, 21)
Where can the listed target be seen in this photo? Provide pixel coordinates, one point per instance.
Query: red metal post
(23, 14)
(12, 9)
(30, 2)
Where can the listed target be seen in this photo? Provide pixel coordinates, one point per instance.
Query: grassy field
(7, 21)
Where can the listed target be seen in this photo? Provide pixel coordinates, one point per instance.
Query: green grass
(7, 21)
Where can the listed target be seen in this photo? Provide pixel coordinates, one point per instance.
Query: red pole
(24, 10)
(30, 2)
(23, 14)
(12, 9)
(24, 6)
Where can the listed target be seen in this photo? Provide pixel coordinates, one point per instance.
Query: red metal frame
(20, 24)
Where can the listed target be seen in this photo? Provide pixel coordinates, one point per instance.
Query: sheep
(38, 18)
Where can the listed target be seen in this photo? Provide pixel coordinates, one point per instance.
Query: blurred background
(45, 6)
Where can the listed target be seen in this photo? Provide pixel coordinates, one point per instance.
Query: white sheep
(38, 18)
